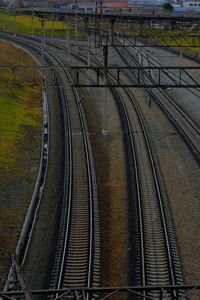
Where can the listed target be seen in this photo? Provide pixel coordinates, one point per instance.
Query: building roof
(117, 5)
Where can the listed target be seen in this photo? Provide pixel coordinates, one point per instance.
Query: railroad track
(186, 126)
(77, 250)
(158, 257)
(157, 261)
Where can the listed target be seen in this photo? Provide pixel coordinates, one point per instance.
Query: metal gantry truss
(151, 40)
(150, 77)
(102, 293)
(140, 77)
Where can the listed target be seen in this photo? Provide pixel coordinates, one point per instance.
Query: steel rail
(90, 188)
(67, 187)
(159, 194)
(89, 174)
(163, 213)
(166, 237)
(88, 156)
(189, 136)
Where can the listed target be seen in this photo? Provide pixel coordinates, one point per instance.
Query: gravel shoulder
(109, 160)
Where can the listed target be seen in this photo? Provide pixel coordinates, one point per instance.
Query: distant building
(90, 6)
(191, 4)
(147, 3)
(7, 3)
(83, 5)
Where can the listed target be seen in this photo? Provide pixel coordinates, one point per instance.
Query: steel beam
(150, 77)
(101, 291)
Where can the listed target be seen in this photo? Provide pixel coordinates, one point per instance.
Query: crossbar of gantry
(150, 77)
(150, 40)
(106, 292)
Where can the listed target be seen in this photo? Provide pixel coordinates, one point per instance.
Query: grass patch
(18, 107)
(25, 23)
(20, 140)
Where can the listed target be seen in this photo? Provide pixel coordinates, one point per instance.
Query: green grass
(15, 114)
(20, 142)
(25, 23)
(19, 108)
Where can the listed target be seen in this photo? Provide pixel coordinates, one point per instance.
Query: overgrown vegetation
(20, 139)
(27, 24)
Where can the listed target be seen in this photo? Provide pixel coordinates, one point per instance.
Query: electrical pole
(98, 22)
(14, 23)
(44, 30)
(42, 36)
(112, 23)
(181, 49)
(88, 58)
(105, 105)
(67, 36)
(52, 23)
(76, 21)
(32, 29)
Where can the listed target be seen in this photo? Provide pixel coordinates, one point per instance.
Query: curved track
(187, 127)
(158, 261)
(76, 257)
(156, 246)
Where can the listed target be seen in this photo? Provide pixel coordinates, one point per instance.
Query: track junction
(75, 261)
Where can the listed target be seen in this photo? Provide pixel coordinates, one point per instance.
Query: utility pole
(42, 35)
(98, 21)
(44, 30)
(112, 23)
(32, 29)
(67, 36)
(105, 105)
(14, 23)
(181, 49)
(88, 58)
(52, 23)
(76, 21)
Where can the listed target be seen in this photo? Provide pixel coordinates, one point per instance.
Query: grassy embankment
(24, 25)
(20, 140)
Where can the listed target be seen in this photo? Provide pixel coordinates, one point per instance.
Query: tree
(168, 6)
